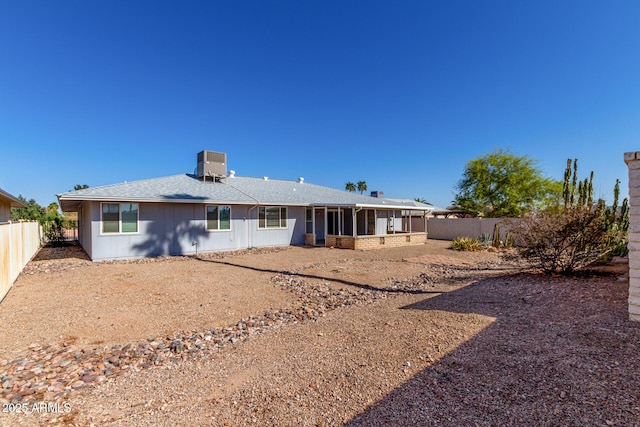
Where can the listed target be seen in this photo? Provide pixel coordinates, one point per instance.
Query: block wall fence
(450, 228)
(632, 160)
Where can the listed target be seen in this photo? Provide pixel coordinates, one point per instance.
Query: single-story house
(8, 201)
(214, 211)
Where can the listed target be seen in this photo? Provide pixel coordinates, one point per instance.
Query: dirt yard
(312, 336)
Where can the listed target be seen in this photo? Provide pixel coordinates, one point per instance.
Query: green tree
(362, 186)
(33, 211)
(421, 200)
(53, 225)
(50, 219)
(53, 208)
(350, 186)
(80, 187)
(501, 184)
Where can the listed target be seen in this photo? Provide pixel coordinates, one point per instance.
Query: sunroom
(363, 227)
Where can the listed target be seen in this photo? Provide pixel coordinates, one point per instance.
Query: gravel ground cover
(409, 336)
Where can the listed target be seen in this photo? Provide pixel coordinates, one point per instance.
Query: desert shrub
(573, 234)
(486, 240)
(53, 229)
(562, 241)
(497, 243)
(509, 240)
(466, 244)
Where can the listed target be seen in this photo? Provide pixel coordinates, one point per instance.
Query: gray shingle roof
(232, 190)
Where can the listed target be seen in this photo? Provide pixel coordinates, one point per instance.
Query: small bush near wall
(466, 244)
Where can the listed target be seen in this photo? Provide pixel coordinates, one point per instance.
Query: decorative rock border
(50, 373)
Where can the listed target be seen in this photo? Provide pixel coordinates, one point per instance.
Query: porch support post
(394, 221)
(354, 231)
(339, 223)
(375, 222)
(424, 217)
(313, 224)
(326, 224)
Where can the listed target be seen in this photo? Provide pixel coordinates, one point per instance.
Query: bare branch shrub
(568, 236)
(561, 240)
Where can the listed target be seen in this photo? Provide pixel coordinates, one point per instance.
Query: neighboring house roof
(13, 200)
(234, 190)
(411, 204)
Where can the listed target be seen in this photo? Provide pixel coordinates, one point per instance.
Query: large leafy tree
(50, 219)
(350, 186)
(501, 184)
(33, 211)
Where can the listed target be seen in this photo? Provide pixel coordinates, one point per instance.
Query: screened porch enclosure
(336, 226)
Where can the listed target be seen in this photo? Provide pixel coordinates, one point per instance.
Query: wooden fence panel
(19, 242)
(5, 260)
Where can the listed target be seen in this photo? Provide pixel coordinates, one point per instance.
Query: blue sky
(398, 94)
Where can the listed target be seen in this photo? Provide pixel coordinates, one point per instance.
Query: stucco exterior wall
(84, 226)
(632, 160)
(172, 229)
(292, 235)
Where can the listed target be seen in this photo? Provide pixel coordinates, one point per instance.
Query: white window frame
(119, 232)
(206, 220)
(280, 226)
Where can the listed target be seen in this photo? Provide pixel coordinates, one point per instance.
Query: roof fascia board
(14, 201)
(366, 206)
(170, 200)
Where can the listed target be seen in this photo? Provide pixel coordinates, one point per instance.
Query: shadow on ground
(560, 352)
(69, 250)
(362, 286)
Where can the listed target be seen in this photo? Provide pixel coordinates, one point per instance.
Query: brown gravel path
(468, 345)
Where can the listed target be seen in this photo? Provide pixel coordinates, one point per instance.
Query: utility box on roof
(211, 164)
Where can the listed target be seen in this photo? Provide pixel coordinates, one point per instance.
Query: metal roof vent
(266, 178)
(232, 173)
(211, 165)
(301, 180)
